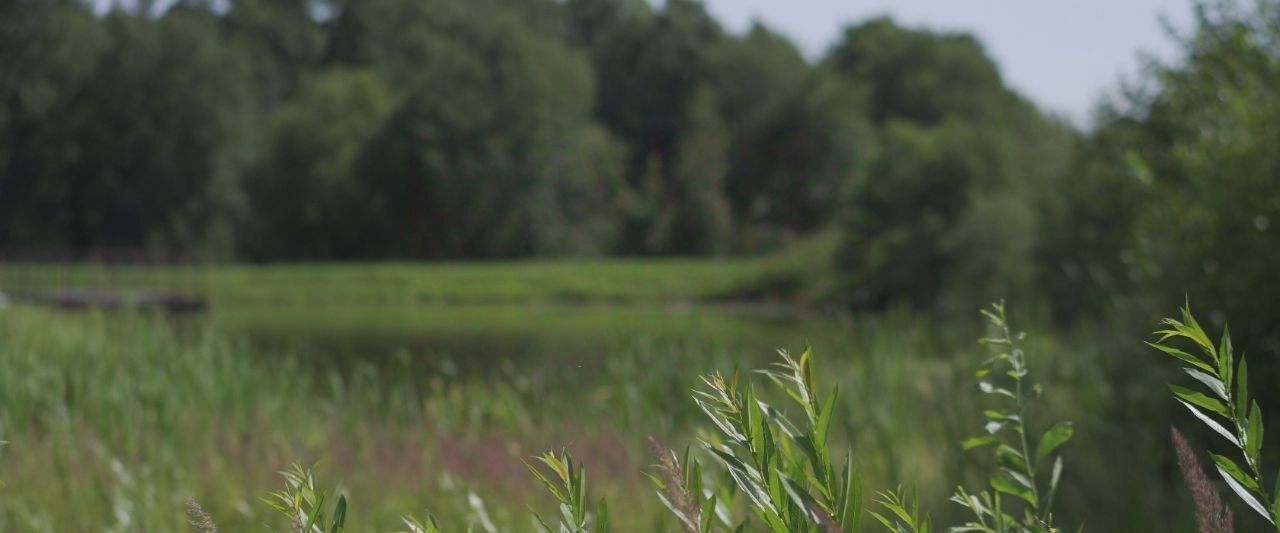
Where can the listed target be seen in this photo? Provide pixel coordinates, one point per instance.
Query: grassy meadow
(113, 420)
(789, 274)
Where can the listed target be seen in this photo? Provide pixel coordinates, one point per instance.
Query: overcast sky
(1063, 54)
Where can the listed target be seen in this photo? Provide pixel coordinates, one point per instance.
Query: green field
(408, 283)
(113, 420)
(798, 272)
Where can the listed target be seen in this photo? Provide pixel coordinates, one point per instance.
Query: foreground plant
(1020, 466)
(1216, 371)
(785, 469)
(306, 506)
(569, 486)
(680, 486)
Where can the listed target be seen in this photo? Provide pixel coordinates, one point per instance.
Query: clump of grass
(780, 466)
(1227, 383)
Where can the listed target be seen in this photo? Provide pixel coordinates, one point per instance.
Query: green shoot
(569, 486)
(1227, 399)
(1020, 466)
(785, 470)
(304, 505)
(904, 512)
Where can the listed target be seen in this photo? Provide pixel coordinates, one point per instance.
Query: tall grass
(116, 421)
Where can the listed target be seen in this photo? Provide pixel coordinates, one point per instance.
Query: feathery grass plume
(305, 505)
(198, 518)
(1212, 515)
(1228, 399)
(785, 469)
(1019, 465)
(570, 489)
(671, 481)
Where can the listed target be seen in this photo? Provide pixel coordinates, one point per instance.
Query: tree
(307, 201)
(1196, 145)
(47, 51)
(917, 75)
(694, 216)
(798, 136)
(476, 162)
(146, 150)
(951, 208)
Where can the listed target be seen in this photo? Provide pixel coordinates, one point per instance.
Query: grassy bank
(798, 273)
(114, 420)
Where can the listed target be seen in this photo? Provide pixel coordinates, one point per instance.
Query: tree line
(310, 129)
(409, 129)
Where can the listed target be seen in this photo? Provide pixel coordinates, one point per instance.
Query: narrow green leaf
(1053, 482)
(602, 517)
(806, 369)
(1002, 481)
(1184, 357)
(339, 515)
(824, 418)
(1213, 424)
(1199, 399)
(1275, 507)
(1192, 330)
(1229, 467)
(800, 498)
(1056, 436)
(1242, 392)
(849, 516)
(885, 521)
(708, 514)
(1210, 381)
(1244, 494)
(1253, 434)
(551, 487)
(977, 442)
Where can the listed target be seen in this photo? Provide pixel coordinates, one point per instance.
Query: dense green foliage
(330, 129)
(327, 129)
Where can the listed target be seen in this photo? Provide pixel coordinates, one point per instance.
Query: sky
(1062, 54)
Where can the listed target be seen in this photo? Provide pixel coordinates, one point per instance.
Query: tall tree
(921, 76)
(47, 51)
(154, 131)
(467, 165)
(798, 136)
(306, 198)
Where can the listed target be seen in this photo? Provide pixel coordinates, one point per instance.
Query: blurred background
(419, 240)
